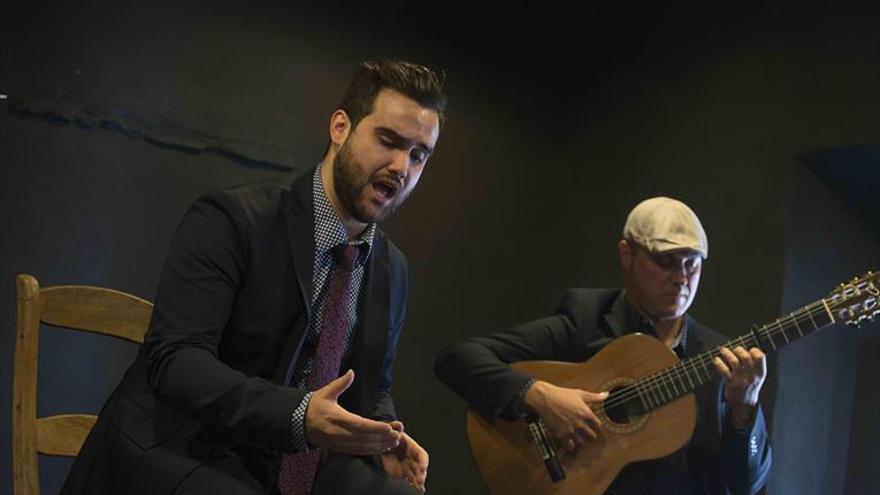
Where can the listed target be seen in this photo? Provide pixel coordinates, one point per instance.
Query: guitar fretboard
(665, 386)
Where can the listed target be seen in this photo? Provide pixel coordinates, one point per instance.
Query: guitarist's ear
(626, 253)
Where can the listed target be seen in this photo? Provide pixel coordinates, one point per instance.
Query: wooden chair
(78, 307)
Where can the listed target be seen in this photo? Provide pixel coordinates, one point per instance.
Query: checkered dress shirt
(329, 233)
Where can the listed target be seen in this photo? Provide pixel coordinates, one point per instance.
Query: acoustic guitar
(651, 408)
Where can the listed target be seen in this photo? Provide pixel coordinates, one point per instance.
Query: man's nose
(399, 165)
(679, 273)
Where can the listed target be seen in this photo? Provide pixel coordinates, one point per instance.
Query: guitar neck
(665, 386)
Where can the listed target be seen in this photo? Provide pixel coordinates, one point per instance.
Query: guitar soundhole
(622, 405)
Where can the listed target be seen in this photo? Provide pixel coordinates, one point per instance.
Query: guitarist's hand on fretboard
(744, 373)
(566, 412)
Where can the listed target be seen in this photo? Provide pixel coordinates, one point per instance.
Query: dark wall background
(561, 119)
(824, 396)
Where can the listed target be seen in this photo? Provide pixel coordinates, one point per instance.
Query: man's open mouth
(386, 188)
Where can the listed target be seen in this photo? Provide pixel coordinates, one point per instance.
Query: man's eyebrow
(395, 136)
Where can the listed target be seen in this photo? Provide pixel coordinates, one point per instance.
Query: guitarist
(661, 255)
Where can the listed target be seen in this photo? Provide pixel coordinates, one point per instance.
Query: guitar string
(669, 384)
(679, 370)
(668, 376)
(653, 383)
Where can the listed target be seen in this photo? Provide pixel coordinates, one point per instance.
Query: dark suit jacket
(723, 460)
(230, 316)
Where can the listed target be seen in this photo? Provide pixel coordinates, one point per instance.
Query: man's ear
(340, 127)
(625, 253)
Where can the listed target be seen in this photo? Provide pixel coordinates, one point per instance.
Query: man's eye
(418, 156)
(666, 262)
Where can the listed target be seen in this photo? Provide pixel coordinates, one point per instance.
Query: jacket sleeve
(746, 455)
(206, 264)
(477, 368)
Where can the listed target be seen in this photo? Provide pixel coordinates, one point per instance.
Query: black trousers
(339, 474)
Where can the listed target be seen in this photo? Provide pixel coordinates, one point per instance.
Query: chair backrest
(78, 307)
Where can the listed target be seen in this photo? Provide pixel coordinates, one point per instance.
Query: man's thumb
(335, 388)
(594, 396)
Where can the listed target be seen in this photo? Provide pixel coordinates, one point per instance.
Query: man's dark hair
(415, 81)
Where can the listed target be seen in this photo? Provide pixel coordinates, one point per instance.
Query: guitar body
(510, 462)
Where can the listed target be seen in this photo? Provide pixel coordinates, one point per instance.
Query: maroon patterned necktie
(297, 472)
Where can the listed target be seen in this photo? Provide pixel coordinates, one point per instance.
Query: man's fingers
(330, 426)
(417, 482)
(593, 396)
(745, 359)
(760, 358)
(359, 445)
(359, 435)
(359, 424)
(587, 415)
(422, 459)
(371, 443)
(592, 420)
(583, 433)
(420, 479)
(722, 368)
(742, 363)
(577, 436)
(419, 454)
(730, 359)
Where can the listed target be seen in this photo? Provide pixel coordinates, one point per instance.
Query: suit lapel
(300, 218)
(693, 344)
(615, 317)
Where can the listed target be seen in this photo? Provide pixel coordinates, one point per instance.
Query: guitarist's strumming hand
(566, 412)
(744, 373)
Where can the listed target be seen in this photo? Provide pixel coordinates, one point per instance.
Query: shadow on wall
(825, 431)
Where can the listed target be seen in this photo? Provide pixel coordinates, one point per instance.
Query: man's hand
(334, 429)
(408, 460)
(744, 373)
(566, 412)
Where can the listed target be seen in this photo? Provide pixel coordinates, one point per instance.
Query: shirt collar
(329, 231)
(636, 321)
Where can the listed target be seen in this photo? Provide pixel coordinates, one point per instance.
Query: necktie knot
(346, 255)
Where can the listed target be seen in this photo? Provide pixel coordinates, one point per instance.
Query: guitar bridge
(545, 449)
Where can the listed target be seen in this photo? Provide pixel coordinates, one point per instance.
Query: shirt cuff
(296, 431)
(515, 407)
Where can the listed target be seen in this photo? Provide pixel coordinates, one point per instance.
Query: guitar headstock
(857, 300)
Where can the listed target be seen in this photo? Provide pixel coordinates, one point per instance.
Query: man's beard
(350, 187)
